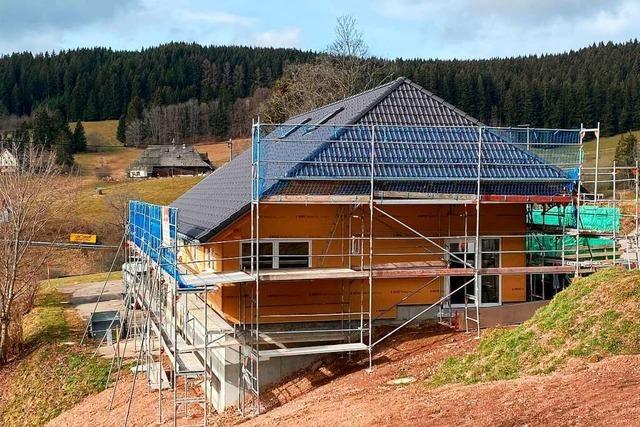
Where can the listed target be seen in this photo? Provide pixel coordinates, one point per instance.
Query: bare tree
(343, 71)
(118, 206)
(135, 133)
(349, 41)
(33, 196)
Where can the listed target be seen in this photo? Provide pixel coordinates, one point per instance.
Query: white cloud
(489, 28)
(285, 37)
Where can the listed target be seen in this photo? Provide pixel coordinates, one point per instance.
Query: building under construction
(388, 207)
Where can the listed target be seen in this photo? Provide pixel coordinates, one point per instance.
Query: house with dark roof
(169, 160)
(387, 206)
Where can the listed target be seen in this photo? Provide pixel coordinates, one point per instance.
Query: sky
(392, 28)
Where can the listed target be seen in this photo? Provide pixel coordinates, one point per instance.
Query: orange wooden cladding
(390, 245)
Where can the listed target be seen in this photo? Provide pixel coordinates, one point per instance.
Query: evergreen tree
(135, 109)
(63, 150)
(79, 139)
(627, 150)
(597, 83)
(121, 132)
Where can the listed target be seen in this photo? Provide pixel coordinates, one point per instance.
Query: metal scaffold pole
(595, 184)
(477, 262)
(636, 231)
(256, 338)
(371, 195)
(578, 202)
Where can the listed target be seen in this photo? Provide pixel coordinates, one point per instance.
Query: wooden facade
(331, 230)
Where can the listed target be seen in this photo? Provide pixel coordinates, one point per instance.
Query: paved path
(84, 296)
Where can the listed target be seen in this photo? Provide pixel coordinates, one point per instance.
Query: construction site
(342, 226)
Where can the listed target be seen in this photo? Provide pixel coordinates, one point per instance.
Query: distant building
(8, 161)
(169, 160)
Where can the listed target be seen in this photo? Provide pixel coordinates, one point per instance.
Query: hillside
(607, 150)
(99, 83)
(55, 373)
(594, 318)
(101, 135)
(575, 363)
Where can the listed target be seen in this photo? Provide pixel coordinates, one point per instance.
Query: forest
(597, 83)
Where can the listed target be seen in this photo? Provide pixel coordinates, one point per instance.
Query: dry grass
(94, 207)
(56, 373)
(115, 161)
(100, 133)
(218, 152)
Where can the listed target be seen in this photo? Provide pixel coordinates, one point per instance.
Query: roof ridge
(395, 84)
(356, 95)
(443, 102)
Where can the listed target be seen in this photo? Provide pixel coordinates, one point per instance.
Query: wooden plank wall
(336, 296)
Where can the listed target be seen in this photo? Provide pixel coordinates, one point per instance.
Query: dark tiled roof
(421, 153)
(169, 156)
(417, 158)
(217, 200)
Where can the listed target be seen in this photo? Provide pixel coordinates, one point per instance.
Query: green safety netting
(552, 246)
(593, 218)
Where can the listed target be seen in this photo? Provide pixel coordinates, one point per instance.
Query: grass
(95, 208)
(607, 150)
(219, 152)
(595, 317)
(56, 373)
(115, 161)
(100, 133)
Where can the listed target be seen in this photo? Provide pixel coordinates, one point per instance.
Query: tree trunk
(4, 340)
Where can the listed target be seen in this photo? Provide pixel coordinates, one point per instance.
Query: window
(489, 258)
(295, 128)
(265, 258)
(324, 120)
(278, 254)
(490, 292)
(293, 254)
(209, 257)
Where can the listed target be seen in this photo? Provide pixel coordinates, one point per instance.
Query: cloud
(285, 37)
(486, 28)
(36, 16)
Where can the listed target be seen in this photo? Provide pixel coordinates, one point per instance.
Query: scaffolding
(366, 173)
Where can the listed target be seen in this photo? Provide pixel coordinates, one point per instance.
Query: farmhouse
(169, 160)
(385, 207)
(8, 161)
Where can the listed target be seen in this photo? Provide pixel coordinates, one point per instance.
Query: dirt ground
(338, 391)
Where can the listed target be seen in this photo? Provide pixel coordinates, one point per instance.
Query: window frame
(275, 254)
(471, 241)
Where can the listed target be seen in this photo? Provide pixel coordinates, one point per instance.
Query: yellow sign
(83, 238)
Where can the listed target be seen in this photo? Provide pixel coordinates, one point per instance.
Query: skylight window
(295, 128)
(324, 120)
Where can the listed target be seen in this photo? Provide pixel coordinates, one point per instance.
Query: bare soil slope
(340, 392)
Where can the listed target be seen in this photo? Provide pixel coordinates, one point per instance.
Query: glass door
(461, 250)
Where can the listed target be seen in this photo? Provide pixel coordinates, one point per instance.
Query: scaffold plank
(316, 349)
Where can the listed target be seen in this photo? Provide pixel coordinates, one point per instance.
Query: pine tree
(121, 132)
(79, 140)
(63, 150)
(627, 150)
(134, 110)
